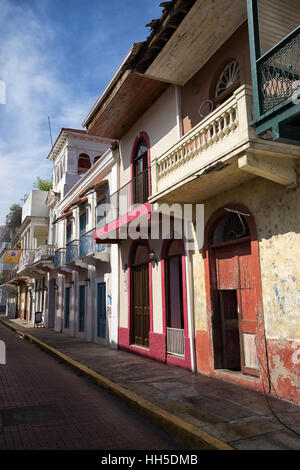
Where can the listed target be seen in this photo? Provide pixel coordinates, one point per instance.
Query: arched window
(232, 226)
(140, 172)
(97, 158)
(228, 82)
(84, 163)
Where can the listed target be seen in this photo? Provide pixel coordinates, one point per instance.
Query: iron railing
(72, 251)
(44, 252)
(175, 341)
(135, 192)
(59, 258)
(87, 245)
(278, 70)
(26, 259)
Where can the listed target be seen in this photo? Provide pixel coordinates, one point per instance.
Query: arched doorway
(233, 289)
(139, 295)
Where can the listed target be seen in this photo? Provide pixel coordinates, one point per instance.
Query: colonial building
(203, 118)
(82, 300)
(35, 254)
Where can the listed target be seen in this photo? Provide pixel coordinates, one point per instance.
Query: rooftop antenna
(50, 131)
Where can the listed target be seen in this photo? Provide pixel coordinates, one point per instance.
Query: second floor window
(140, 173)
(101, 213)
(69, 233)
(82, 223)
(84, 163)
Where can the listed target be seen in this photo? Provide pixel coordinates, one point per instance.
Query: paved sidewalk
(234, 415)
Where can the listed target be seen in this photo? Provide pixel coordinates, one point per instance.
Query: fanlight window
(229, 80)
(232, 227)
(84, 163)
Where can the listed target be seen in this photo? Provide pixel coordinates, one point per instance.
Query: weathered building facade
(173, 219)
(81, 298)
(191, 138)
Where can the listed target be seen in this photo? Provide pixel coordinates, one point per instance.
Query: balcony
(59, 258)
(72, 251)
(44, 253)
(26, 261)
(220, 153)
(44, 257)
(89, 250)
(275, 73)
(205, 149)
(125, 205)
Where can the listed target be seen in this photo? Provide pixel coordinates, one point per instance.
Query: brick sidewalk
(44, 405)
(235, 415)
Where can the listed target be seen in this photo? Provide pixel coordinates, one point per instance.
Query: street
(45, 405)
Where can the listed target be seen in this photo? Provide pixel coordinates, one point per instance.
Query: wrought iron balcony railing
(278, 70)
(44, 252)
(135, 192)
(87, 245)
(72, 251)
(59, 257)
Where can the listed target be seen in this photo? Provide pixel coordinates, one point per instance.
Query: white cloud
(34, 90)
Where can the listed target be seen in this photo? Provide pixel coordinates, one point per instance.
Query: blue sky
(56, 56)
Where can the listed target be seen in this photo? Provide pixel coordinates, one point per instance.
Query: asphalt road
(45, 405)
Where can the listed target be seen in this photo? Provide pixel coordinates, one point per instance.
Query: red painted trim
(157, 345)
(186, 362)
(125, 219)
(210, 283)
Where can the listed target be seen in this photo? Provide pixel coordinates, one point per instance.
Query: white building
(81, 299)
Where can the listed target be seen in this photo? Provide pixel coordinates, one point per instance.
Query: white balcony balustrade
(219, 134)
(44, 253)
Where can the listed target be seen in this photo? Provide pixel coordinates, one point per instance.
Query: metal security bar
(175, 341)
(278, 70)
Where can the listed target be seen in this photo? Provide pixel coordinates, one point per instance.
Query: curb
(188, 434)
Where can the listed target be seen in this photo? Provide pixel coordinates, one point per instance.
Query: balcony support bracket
(275, 169)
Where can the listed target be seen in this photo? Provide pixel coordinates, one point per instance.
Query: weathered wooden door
(140, 309)
(236, 306)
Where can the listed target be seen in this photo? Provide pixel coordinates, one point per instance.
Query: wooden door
(101, 310)
(248, 309)
(237, 307)
(140, 311)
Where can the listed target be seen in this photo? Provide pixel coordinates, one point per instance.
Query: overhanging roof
(206, 26)
(131, 96)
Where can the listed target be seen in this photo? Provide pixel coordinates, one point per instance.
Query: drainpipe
(178, 110)
(189, 295)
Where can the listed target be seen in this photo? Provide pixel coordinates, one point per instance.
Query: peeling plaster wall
(277, 217)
